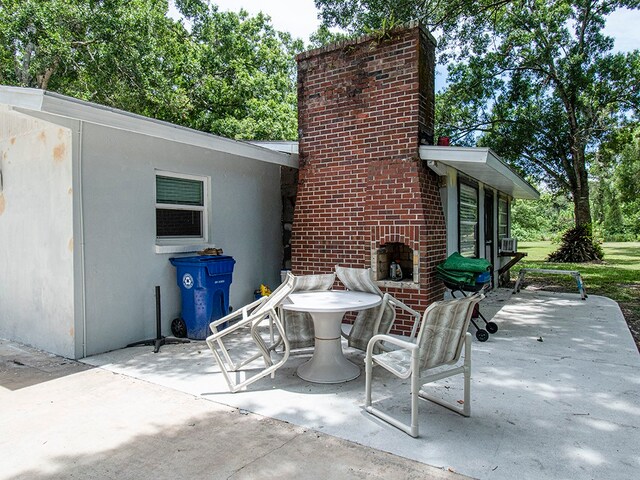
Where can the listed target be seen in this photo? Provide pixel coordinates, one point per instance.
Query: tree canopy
(221, 72)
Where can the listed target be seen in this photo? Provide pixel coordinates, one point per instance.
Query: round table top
(331, 301)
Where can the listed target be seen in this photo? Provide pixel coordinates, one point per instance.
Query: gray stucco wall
(36, 233)
(121, 265)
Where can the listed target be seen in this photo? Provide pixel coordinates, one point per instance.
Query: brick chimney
(364, 197)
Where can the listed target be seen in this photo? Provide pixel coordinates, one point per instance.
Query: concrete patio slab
(61, 419)
(555, 394)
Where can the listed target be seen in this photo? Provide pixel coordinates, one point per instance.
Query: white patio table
(328, 364)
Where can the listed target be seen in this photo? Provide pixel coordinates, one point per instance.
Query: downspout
(83, 283)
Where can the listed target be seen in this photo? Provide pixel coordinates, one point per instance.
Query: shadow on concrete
(210, 443)
(22, 366)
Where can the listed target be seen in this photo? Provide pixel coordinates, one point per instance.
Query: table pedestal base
(328, 364)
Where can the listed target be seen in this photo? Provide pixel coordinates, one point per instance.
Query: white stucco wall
(36, 233)
(121, 266)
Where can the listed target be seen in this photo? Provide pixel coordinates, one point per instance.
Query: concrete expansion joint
(266, 454)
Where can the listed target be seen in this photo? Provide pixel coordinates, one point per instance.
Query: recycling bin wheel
(179, 328)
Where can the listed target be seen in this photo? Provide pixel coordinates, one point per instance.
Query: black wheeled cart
(468, 276)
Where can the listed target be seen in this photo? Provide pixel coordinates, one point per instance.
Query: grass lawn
(617, 277)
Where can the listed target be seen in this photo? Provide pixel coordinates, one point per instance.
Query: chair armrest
(245, 320)
(244, 311)
(392, 340)
(395, 302)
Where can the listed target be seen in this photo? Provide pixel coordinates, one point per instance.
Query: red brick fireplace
(364, 196)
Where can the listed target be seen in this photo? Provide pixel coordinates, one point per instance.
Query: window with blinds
(180, 206)
(468, 218)
(503, 218)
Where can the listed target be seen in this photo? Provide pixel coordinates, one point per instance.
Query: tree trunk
(581, 205)
(577, 243)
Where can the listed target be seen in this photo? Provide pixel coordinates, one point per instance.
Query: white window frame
(186, 243)
(504, 198)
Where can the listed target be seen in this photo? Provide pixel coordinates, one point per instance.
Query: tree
(541, 219)
(229, 74)
(119, 53)
(626, 185)
(534, 79)
(615, 195)
(243, 77)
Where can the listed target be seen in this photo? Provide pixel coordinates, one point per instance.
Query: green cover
(463, 264)
(461, 270)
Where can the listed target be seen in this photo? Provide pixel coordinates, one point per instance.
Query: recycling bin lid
(198, 259)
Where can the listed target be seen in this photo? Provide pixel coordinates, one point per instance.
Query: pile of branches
(577, 246)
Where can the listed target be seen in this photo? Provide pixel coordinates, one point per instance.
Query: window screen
(468, 215)
(180, 207)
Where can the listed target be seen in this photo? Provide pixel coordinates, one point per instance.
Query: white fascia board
(56, 104)
(483, 165)
(278, 145)
(30, 98)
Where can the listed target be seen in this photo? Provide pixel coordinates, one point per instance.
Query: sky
(298, 17)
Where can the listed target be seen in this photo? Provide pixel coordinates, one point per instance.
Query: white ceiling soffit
(56, 104)
(481, 164)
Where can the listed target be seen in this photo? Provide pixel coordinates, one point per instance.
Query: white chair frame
(418, 377)
(262, 311)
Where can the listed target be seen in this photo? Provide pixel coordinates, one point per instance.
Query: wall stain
(71, 332)
(60, 133)
(58, 153)
(12, 140)
(70, 246)
(42, 136)
(2, 203)
(70, 191)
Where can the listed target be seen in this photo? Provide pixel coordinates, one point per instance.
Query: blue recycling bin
(204, 283)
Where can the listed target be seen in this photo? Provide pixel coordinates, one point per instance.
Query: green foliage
(229, 73)
(577, 245)
(242, 80)
(324, 36)
(626, 182)
(616, 193)
(542, 219)
(366, 16)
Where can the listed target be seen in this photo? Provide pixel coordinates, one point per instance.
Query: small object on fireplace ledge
(404, 283)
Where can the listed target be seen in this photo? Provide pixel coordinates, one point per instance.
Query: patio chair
(298, 326)
(261, 313)
(377, 320)
(443, 332)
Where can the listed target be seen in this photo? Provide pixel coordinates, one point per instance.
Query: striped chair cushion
(442, 332)
(298, 326)
(362, 329)
(359, 280)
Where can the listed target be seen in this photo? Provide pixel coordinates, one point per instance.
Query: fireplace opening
(399, 253)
